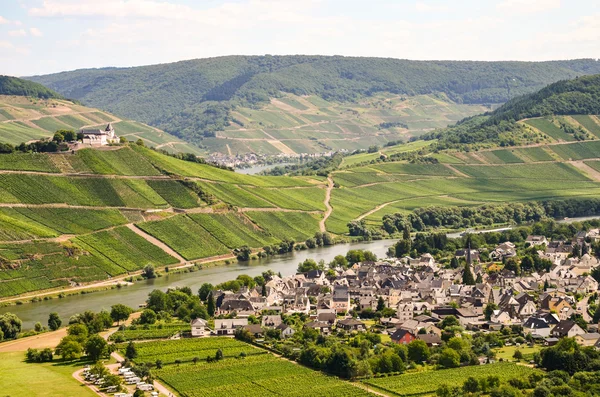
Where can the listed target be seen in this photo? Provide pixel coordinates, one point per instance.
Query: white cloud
(35, 32)
(3, 20)
(17, 33)
(5, 44)
(424, 7)
(528, 6)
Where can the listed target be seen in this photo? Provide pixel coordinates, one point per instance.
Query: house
(566, 328)
(432, 340)
(402, 336)
(254, 329)
(327, 317)
(536, 240)
(589, 339)
(341, 300)
(323, 327)
(351, 324)
(404, 311)
(286, 330)
(229, 326)
(537, 326)
(98, 137)
(200, 327)
(236, 305)
(271, 321)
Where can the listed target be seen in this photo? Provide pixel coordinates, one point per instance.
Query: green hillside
(194, 99)
(27, 118)
(543, 110)
(15, 86)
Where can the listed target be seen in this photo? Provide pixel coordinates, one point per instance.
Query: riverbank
(193, 277)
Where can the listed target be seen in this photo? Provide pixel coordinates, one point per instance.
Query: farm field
(186, 349)
(145, 332)
(309, 124)
(427, 382)
(549, 128)
(257, 375)
(294, 225)
(48, 379)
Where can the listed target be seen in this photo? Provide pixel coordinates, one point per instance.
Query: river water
(137, 293)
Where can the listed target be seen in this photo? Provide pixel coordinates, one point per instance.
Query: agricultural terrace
(553, 171)
(427, 382)
(24, 119)
(310, 124)
(145, 332)
(255, 375)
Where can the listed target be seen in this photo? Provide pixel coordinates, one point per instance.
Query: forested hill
(579, 96)
(191, 98)
(15, 86)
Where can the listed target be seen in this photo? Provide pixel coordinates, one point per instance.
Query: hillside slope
(510, 124)
(15, 86)
(192, 99)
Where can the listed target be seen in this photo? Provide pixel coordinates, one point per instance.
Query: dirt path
(327, 203)
(592, 173)
(457, 172)
(157, 242)
(380, 206)
(41, 341)
(78, 375)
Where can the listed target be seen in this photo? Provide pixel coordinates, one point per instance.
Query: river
(137, 293)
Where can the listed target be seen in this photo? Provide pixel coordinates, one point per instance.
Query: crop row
(262, 375)
(425, 383)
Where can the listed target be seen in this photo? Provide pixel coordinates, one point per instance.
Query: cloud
(5, 44)
(528, 6)
(3, 20)
(17, 33)
(35, 32)
(424, 7)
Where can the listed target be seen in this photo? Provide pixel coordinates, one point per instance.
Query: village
(419, 293)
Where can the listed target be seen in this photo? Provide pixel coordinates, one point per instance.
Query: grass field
(549, 128)
(256, 375)
(427, 382)
(48, 379)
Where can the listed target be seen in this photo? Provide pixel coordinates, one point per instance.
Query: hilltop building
(98, 137)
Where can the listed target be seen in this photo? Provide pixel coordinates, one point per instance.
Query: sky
(48, 36)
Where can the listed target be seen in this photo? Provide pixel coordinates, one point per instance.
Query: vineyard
(161, 331)
(188, 348)
(426, 383)
(258, 375)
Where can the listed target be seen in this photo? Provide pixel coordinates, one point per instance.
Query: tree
(468, 278)
(402, 248)
(210, 306)
(158, 301)
(95, 347)
(120, 312)
(518, 355)
(418, 351)
(148, 271)
(449, 358)
(449, 321)
(454, 263)
(489, 310)
(69, 348)
(148, 316)
(471, 385)
(54, 321)
(38, 327)
(204, 291)
(219, 355)
(308, 265)
(10, 325)
(79, 332)
(380, 304)
(131, 351)
(339, 261)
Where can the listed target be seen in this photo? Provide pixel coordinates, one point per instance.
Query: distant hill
(562, 111)
(27, 118)
(193, 99)
(16, 86)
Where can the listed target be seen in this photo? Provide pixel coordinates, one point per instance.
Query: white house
(200, 327)
(98, 137)
(229, 326)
